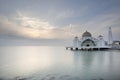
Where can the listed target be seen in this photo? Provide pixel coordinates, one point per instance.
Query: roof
(86, 34)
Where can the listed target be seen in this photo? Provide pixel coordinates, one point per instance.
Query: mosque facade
(87, 42)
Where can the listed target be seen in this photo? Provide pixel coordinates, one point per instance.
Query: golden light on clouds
(35, 28)
(23, 25)
(32, 27)
(30, 33)
(34, 33)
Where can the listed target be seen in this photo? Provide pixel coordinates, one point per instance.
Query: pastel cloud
(30, 27)
(60, 19)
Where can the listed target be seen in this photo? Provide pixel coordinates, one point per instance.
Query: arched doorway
(88, 43)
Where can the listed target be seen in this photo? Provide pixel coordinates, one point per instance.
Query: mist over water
(57, 63)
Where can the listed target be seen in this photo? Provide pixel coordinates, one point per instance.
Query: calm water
(56, 63)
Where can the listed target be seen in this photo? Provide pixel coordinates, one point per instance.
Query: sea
(57, 63)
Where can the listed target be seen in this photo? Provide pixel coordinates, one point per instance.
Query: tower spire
(110, 39)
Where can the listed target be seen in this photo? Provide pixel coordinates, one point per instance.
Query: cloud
(7, 27)
(100, 23)
(24, 30)
(29, 27)
(97, 25)
(58, 19)
(24, 26)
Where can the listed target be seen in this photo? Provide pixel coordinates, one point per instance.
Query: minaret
(110, 39)
(76, 42)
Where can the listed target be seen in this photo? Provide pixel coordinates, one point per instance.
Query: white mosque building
(88, 42)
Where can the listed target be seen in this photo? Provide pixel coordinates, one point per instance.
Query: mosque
(88, 42)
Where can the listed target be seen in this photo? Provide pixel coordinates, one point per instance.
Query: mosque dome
(86, 34)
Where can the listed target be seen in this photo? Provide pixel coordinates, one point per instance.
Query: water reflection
(83, 58)
(56, 63)
(97, 64)
(23, 60)
(33, 60)
(87, 58)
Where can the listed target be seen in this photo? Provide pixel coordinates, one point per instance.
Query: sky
(56, 22)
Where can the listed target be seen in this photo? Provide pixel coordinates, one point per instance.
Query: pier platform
(87, 48)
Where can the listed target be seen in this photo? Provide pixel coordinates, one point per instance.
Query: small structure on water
(87, 42)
